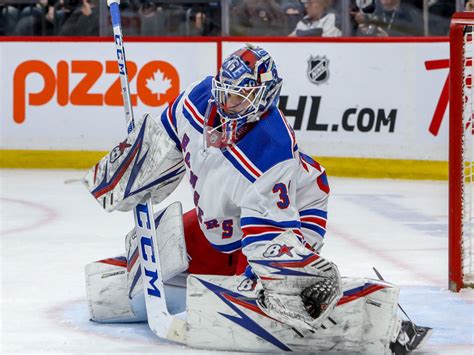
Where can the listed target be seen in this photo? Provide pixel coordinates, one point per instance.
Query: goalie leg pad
(107, 293)
(114, 286)
(109, 298)
(171, 245)
(222, 314)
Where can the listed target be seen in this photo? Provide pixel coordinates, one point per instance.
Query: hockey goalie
(251, 251)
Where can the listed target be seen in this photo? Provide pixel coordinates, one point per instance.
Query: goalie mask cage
(461, 173)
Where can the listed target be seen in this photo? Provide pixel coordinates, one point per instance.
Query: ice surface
(50, 230)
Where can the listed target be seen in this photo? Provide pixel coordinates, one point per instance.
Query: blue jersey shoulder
(200, 94)
(270, 142)
(196, 102)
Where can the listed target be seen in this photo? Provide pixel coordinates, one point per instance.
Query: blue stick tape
(115, 14)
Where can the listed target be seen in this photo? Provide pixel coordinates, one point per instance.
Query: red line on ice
(49, 215)
(388, 258)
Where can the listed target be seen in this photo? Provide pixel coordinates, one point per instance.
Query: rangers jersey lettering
(251, 191)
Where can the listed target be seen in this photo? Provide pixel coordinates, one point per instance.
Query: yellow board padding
(49, 159)
(347, 167)
(385, 168)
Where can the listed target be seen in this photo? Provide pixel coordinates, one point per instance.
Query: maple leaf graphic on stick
(158, 84)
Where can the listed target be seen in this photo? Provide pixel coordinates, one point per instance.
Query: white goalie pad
(222, 314)
(107, 293)
(171, 246)
(147, 161)
(115, 285)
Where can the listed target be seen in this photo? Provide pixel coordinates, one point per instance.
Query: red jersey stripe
(193, 112)
(245, 162)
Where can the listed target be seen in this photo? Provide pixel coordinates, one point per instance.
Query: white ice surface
(50, 230)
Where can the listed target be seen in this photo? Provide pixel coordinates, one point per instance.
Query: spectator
(391, 18)
(175, 20)
(258, 18)
(294, 12)
(360, 18)
(8, 19)
(469, 5)
(440, 12)
(152, 19)
(204, 20)
(317, 22)
(32, 20)
(196, 21)
(80, 18)
(201, 20)
(418, 4)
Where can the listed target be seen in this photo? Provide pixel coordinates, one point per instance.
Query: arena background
(364, 107)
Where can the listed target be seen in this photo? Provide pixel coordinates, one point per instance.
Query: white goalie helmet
(246, 86)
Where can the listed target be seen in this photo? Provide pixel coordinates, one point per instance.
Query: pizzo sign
(82, 83)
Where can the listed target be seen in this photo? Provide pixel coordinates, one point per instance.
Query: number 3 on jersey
(283, 195)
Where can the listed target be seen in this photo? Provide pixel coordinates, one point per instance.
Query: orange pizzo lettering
(19, 87)
(80, 95)
(157, 83)
(113, 96)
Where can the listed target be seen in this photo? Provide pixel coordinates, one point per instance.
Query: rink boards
(346, 99)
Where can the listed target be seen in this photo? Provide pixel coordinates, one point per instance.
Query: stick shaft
(122, 65)
(160, 321)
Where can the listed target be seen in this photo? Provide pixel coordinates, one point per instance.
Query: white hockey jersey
(251, 191)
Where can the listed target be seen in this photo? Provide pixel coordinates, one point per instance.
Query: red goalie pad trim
(364, 292)
(114, 261)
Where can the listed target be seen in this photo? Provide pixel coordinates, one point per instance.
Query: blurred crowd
(328, 18)
(49, 18)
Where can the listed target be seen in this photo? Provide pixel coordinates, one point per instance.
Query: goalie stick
(415, 335)
(379, 275)
(160, 320)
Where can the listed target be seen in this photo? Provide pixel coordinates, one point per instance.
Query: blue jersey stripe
(314, 228)
(263, 221)
(227, 248)
(173, 109)
(192, 121)
(314, 212)
(238, 166)
(169, 129)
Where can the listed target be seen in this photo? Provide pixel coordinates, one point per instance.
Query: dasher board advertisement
(344, 99)
(67, 95)
(364, 99)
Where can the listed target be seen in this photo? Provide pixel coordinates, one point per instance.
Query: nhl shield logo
(318, 69)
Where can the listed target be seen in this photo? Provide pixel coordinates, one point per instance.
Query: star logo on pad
(123, 145)
(117, 152)
(285, 250)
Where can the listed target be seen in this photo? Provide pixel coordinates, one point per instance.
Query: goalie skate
(411, 337)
